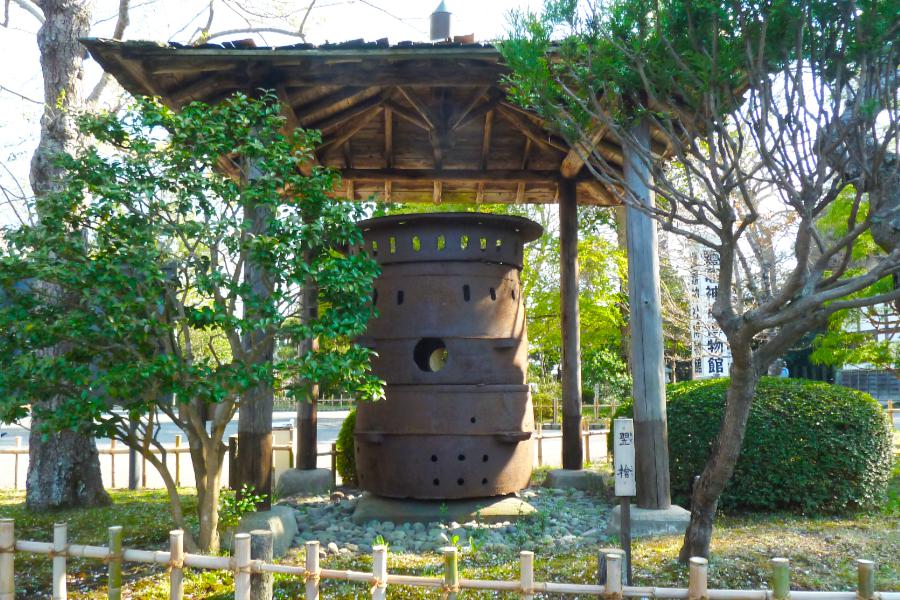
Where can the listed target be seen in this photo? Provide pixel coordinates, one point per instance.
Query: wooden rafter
(486, 137)
(471, 176)
(468, 106)
(401, 112)
(352, 128)
(420, 107)
(580, 153)
(334, 122)
(388, 137)
(493, 99)
(530, 130)
(341, 99)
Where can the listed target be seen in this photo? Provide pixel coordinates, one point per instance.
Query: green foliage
(809, 446)
(234, 505)
(141, 256)
(345, 461)
(545, 391)
(605, 368)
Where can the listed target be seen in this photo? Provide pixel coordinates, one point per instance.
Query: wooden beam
(468, 106)
(287, 111)
(571, 335)
(401, 112)
(438, 189)
(581, 152)
(532, 131)
(388, 190)
(486, 137)
(388, 138)
(420, 107)
(333, 122)
(353, 128)
(343, 98)
(451, 175)
(495, 95)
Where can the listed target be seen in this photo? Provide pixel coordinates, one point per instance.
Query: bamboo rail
(450, 584)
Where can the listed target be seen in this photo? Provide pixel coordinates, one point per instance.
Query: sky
(178, 20)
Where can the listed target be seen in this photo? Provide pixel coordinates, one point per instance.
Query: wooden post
(7, 559)
(540, 445)
(232, 462)
(451, 572)
(242, 566)
(379, 571)
(307, 408)
(114, 579)
(177, 460)
(333, 465)
(613, 574)
(135, 463)
(865, 570)
(646, 332)
(261, 549)
(176, 562)
(112, 463)
(16, 463)
(625, 529)
(781, 579)
(312, 570)
(59, 561)
(697, 582)
(526, 574)
(587, 444)
(571, 336)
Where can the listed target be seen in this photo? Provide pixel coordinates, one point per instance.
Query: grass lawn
(821, 549)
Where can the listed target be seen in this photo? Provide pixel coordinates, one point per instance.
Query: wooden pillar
(651, 447)
(571, 335)
(307, 409)
(254, 459)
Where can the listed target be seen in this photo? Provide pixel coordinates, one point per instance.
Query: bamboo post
(59, 561)
(177, 460)
(176, 563)
(865, 570)
(379, 572)
(613, 574)
(781, 579)
(451, 572)
(697, 582)
(114, 579)
(112, 463)
(261, 549)
(242, 566)
(526, 574)
(540, 441)
(7, 559)
(16, 463)
(602, 553)
(312, 570)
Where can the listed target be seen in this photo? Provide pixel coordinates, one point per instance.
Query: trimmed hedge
(809, 446)
(345, 461)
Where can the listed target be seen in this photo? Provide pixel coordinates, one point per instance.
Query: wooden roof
(407, 123)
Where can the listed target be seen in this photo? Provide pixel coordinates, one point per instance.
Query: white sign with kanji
(623, 457)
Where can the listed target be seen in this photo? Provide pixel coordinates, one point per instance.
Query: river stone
(584, 480)
(303, 482)
(488, 510)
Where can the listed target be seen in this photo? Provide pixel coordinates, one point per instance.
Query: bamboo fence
(241, 565)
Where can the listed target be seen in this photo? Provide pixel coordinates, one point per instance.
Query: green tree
(769, 111)
(138, 273)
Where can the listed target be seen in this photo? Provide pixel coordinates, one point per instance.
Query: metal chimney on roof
(440, 23)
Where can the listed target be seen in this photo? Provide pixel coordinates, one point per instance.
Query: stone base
(488, 510)
(586, 481)
(647, 522)
(280, 521)
(300, 482)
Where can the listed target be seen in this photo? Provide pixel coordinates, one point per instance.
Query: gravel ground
(563, 518)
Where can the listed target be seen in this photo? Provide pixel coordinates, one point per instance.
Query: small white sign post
(623, 465)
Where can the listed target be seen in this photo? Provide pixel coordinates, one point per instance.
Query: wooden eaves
(409, 123)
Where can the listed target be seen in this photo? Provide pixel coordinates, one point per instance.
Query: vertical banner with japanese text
(710, 354)
(623, 457)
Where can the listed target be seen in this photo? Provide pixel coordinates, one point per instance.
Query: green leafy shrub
(809, 446)
(345, 461)
(233, 506)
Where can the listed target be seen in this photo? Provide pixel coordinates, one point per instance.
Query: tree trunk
(307, 409)
(721, 463)
(64, 468)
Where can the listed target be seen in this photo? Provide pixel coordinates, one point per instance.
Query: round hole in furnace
(461, 457)
(436, 481)
(434, 458)
(460, 481)
(472, 420)
(484, 481)
(430, 354)
(484, 458)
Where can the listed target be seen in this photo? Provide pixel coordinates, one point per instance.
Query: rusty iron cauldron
(456, 421)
